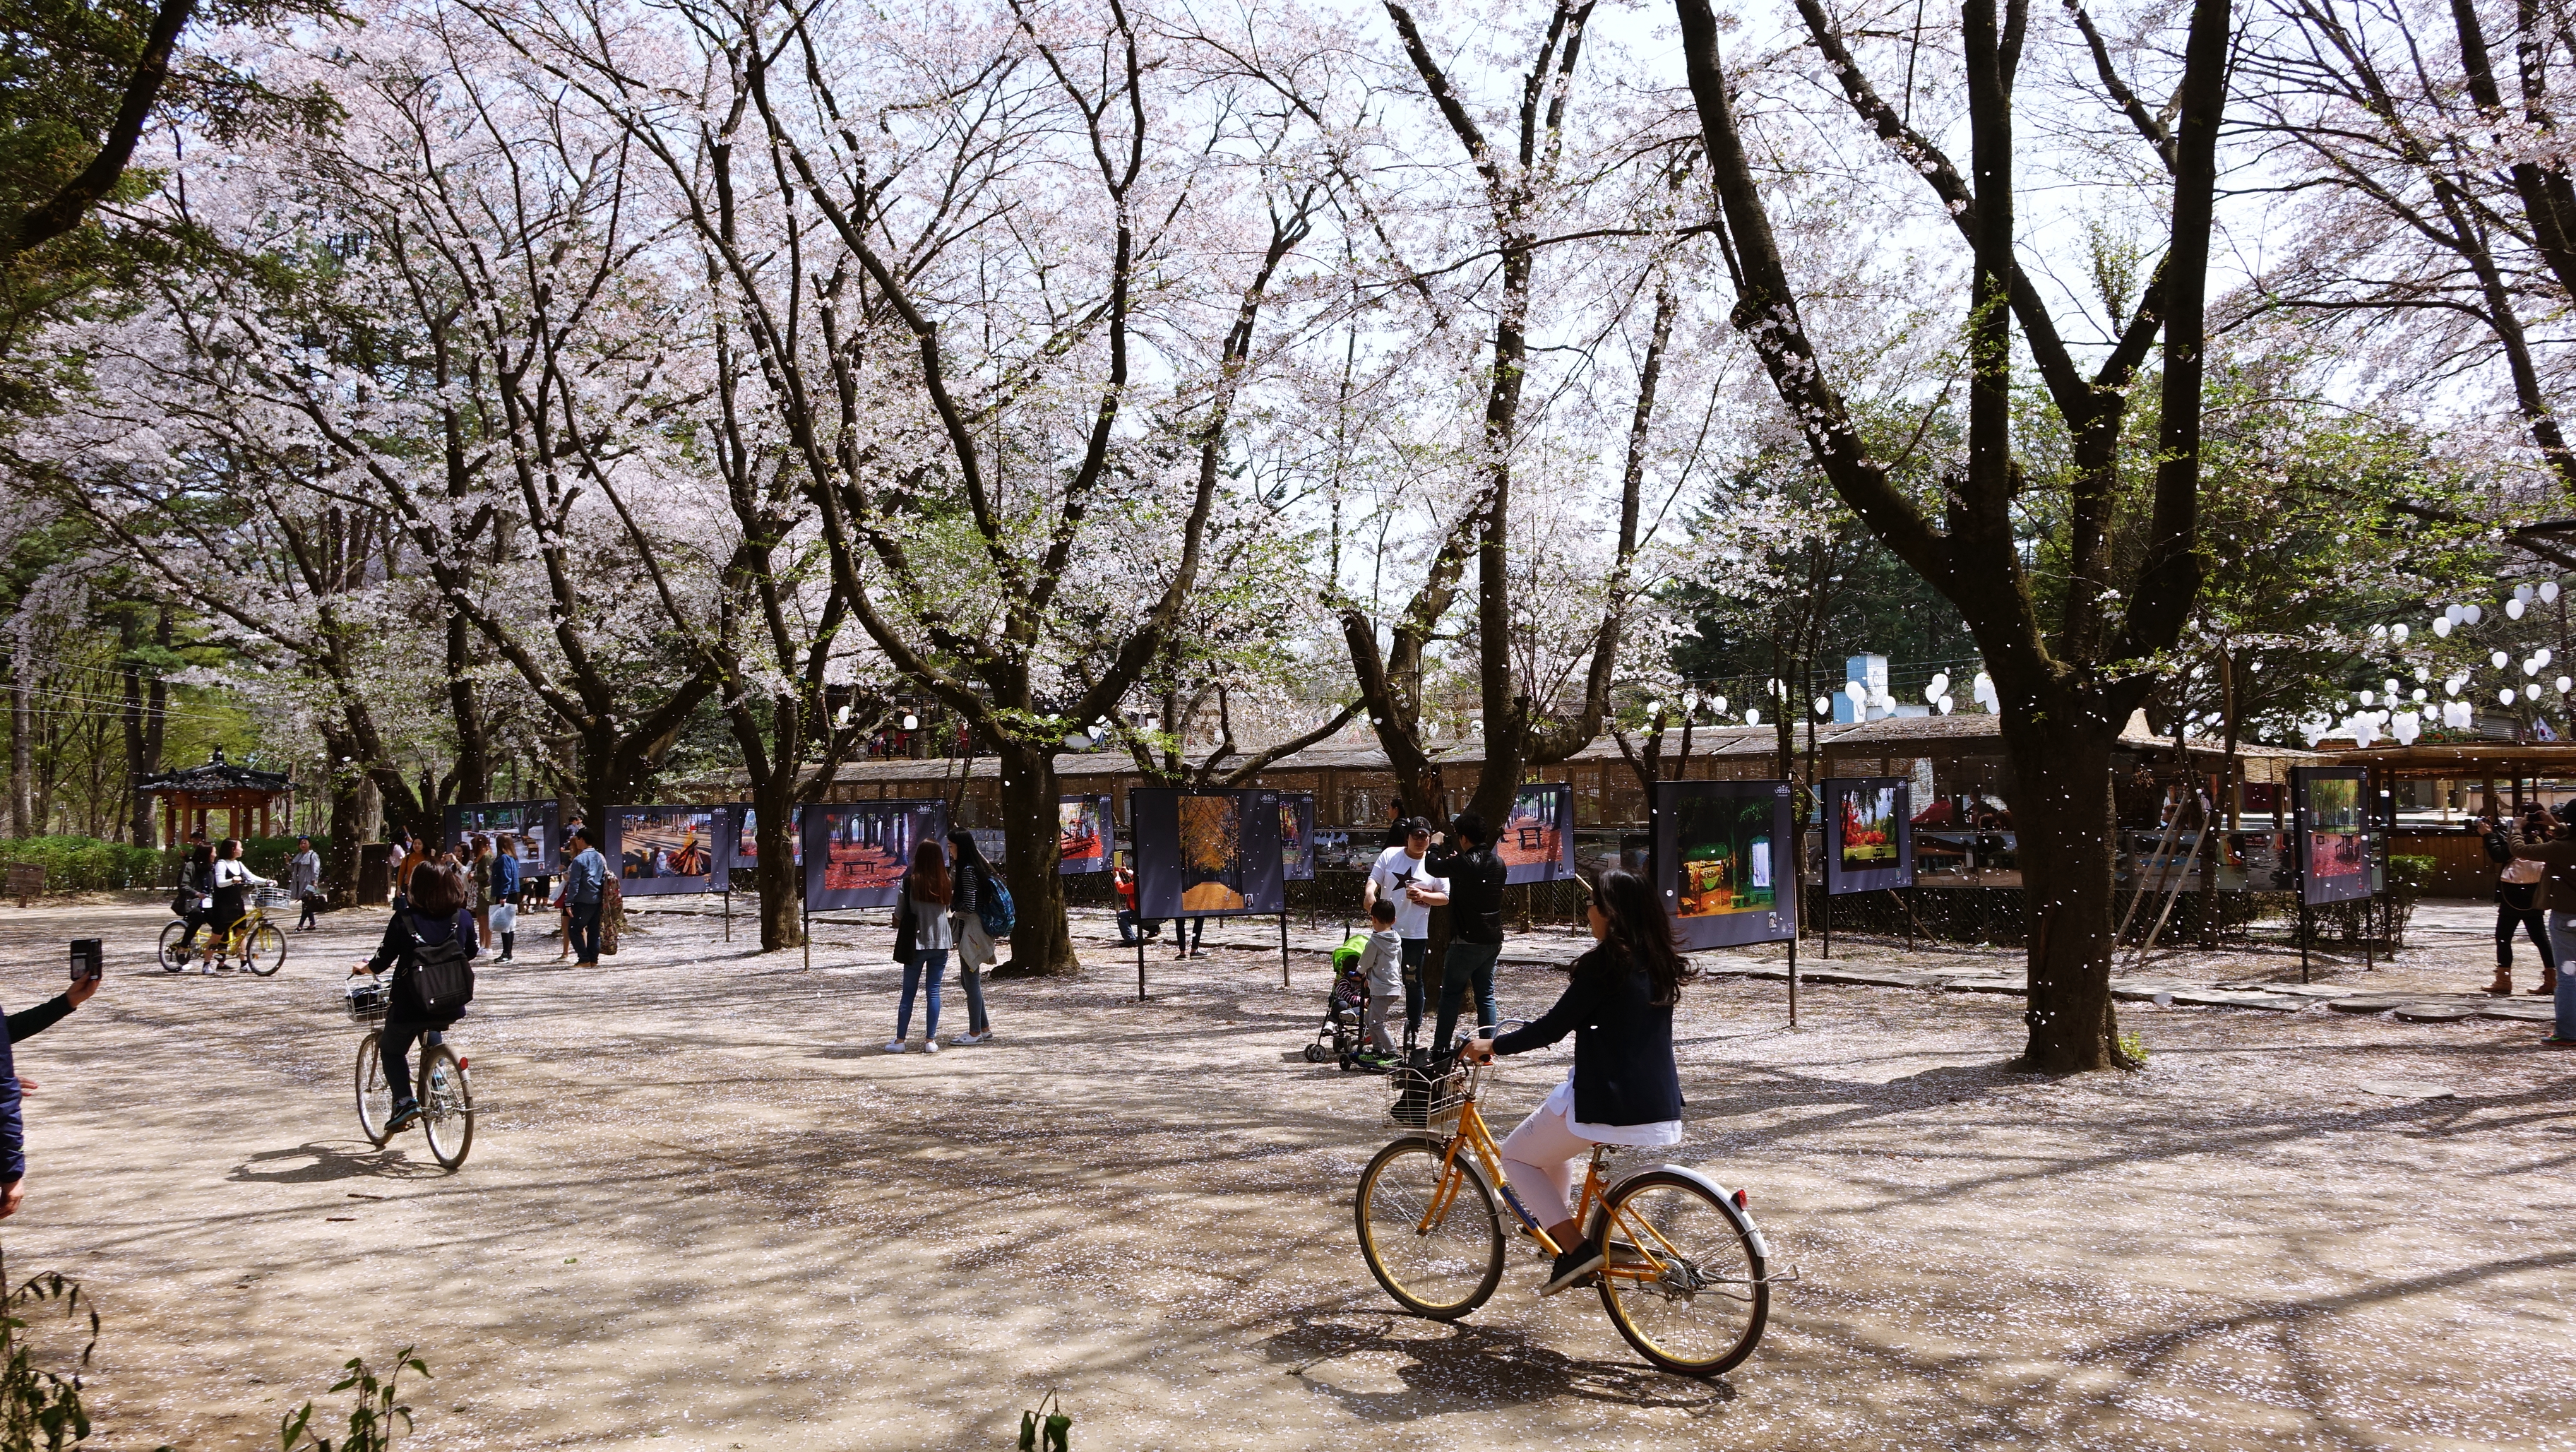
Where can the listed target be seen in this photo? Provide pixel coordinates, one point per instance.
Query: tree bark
(22, 766)
(2062, 812)
(1040, 940)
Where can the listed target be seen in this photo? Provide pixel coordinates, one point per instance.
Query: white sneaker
(895, 1047)
(930, 1046)
(983, 1038)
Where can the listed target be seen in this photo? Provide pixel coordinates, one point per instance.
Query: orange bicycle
(1685, 1277)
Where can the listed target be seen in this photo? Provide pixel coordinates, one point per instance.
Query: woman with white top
(922, 938)
(1624, 1087)
(232, 878)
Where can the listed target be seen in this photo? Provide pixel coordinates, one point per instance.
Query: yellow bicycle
(256, 943)
(1686, 1275)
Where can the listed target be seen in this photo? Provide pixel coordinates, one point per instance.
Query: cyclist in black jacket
(1475, 876)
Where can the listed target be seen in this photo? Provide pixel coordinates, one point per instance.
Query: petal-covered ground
(704, 1209)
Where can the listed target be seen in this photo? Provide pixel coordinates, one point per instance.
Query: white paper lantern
(2442, 627)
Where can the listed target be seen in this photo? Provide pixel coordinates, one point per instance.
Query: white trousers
(1542, 1161)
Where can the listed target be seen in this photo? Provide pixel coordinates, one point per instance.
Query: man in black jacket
(1475, 925)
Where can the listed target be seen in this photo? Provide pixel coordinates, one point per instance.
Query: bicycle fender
(1723, 1196)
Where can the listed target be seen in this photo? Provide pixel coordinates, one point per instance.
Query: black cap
(1417, 826)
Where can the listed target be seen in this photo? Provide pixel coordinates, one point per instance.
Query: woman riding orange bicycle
(1624, 1087)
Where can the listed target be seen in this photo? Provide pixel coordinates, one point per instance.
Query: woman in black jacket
(1624, 1087)
(435, 917)
(2518, 903)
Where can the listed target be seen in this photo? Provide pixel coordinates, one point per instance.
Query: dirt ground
(705, 1211)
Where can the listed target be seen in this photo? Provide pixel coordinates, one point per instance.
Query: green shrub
(86, 864)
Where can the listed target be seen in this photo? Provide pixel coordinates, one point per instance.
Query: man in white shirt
(1399, 877)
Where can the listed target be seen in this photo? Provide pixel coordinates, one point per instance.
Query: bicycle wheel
(264, 951)
(1684, 1281)
(446, 1106)
(174, 958)
(375, 1095)
(1430, 1233)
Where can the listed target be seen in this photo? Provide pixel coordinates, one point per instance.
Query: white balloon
(2497, 659)
(2365, 698)
(2531, 667)
(1717, 704)
(2397, 633)
(2505, 696)
(1824, 705)
(1944, 703)
(2564, 685)
(2471, 614)
(2451, 613)
(1939, 687)
(2417, 694)
(2513, 608)
(2541, 655)
(2548, 591)
(2442, 627)
(1856, 690)
(1752, 717)
(2379, 632)
(911, 723)
(2522, 592)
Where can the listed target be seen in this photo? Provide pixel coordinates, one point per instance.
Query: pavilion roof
(217, 775)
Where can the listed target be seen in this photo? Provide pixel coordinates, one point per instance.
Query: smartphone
(88, 961)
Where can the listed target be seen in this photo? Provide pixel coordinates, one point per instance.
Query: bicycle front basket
(368, 999)
(1424, 1100)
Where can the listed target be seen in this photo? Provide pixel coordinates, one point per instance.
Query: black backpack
(441, 980)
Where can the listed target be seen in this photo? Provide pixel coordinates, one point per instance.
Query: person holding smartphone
(1401, 877)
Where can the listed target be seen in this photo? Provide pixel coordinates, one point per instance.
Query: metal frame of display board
(1830, 818)
(2303, 834)
(821, 812)
(1256, 801)
(1664, 818)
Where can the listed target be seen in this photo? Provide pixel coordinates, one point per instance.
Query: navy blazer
(1623, 1042)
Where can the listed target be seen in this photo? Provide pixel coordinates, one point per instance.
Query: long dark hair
(928, 881)
(966, 852)
(1640, 931)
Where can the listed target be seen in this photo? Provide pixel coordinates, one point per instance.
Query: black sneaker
(1572, 1268)
(409, 1110)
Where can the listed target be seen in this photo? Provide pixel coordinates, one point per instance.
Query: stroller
(1338, 1037)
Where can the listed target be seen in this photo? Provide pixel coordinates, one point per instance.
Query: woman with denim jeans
(967, 887)
(2558, 897)
(922, 938)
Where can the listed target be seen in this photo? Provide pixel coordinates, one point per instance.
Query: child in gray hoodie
(1382, 963)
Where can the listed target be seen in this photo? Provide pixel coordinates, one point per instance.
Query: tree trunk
(350, 822)
(22, 767)
(1040, 940)
(782, 889)
(473, 760)
(2062, 812)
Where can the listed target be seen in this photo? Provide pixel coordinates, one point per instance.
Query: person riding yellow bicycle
(230, 922)
(1623, 1088)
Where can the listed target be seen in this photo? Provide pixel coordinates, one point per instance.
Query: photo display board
(529, 825)
(1206, 854)
(1297, 836)
(659, 851)
(742, 837)
(856, 853)
(1085, 826)
(2334, 841)
(1869, 833)
(1721, 860)
(1537, 840)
